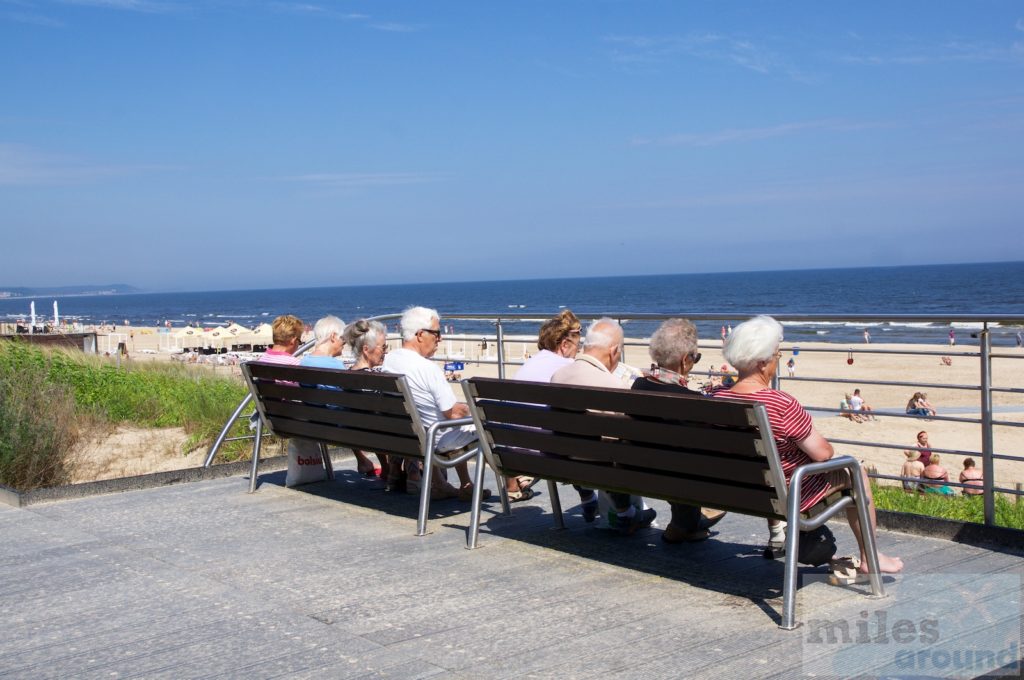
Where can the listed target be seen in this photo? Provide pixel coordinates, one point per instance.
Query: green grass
(961, 508)
(48, 394)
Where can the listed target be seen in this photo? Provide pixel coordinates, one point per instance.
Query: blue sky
(187, 145)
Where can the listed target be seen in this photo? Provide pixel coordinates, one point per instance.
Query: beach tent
(262, 335)
(236, 329)
(188, 337)
(215, 337)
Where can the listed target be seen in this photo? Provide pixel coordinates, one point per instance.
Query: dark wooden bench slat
(294, 410)
(355, 380)
(349, 437)
(655, 432)
(755, 501)
(381, 402)
(630, 402)
(743, 470)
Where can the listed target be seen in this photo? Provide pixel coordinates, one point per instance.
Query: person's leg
(840, 479)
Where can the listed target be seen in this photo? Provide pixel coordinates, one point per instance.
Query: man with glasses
(433, 396)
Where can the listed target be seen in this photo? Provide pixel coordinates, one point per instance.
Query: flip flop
(524, 494)
(525, 482)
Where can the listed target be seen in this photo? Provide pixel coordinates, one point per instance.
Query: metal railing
(499, 340)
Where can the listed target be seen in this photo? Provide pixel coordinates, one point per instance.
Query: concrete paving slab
(204, 580)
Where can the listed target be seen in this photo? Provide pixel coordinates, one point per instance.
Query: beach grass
(959, 508)
(49, 395)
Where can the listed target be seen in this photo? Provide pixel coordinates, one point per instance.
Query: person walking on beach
(867, 337)
(791, 367)
(952, 337)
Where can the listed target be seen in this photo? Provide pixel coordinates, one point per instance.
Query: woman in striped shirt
(753, 349)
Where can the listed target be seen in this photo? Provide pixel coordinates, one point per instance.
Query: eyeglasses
(695, 357)
(435, 333)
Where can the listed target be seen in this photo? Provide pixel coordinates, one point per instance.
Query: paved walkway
(204, 580)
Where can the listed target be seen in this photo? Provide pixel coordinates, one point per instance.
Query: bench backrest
(358, 409)
(676, 447)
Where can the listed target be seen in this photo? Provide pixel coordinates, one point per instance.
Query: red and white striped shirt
(791, 424)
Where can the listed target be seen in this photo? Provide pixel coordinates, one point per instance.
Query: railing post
(501, 349)
(987, 464)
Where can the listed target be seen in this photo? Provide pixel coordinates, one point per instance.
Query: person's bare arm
(459, 410)
(816, 447)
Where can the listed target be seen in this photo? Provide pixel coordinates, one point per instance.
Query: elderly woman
(328, 333)
(753, 348)
(673, 348)
(287, 334)
(559, 342)
(369, 342)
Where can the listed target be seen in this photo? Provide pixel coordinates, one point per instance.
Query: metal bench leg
(425, 481)
(506, 507)
(256, 445)
(328, 463)
(556, 504)
(792, 537)
(478, 493)
(868, 536)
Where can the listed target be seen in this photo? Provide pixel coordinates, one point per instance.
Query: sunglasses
(695, 357)
(436, 334)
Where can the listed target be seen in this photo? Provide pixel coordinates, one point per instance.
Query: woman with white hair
(369, 342)
(328, 333)
(753, 349)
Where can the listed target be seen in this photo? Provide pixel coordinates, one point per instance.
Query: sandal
(524, 494)
(525, 482)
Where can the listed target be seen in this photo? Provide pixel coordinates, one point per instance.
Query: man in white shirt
(433, 396)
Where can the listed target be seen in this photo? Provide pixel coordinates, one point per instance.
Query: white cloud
(392, 27)
(22, 165)
(32, 18)
(310, 9)
(732, 135)
(710, 46)
(346, 180)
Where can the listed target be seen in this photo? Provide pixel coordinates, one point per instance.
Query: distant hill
(58, 291)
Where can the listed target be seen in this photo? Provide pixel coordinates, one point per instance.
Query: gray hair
(752, 342)
(362, 333)
(603, 332)
(673, 339)
(327, 326)
(415, 319)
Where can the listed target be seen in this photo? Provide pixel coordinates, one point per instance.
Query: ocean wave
(974, 326)
(911, 324)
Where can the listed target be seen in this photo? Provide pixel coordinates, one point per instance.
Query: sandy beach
(815, 360)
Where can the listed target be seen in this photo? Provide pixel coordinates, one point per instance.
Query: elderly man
(594, 368)
(433, 396)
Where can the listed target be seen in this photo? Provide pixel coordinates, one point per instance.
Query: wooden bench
(356, 409)
(680, 448)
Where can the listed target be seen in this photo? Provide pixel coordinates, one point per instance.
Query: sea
(991, 288)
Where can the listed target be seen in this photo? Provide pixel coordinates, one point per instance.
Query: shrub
(37, 429)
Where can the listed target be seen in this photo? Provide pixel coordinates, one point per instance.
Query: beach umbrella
(32, 313)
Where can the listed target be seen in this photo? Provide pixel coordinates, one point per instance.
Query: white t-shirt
(430, 391)
(856, 403)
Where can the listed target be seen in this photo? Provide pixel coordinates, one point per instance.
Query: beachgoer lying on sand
(932, 476)
(972, 477)
(753, 348)
(673, 348)
(913, 467)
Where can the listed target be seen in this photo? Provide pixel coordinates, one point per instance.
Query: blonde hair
(553, 331)
(287, 328)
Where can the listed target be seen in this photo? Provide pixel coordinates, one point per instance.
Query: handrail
(983, 353)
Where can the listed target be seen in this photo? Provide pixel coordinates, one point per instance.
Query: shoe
(525, 482)
(712, 518)
(589, 510)
(444, 492)
(466, 493)
(523, 494)
(395, 484)
(412, 486)
(639, 520)
(674, 534)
